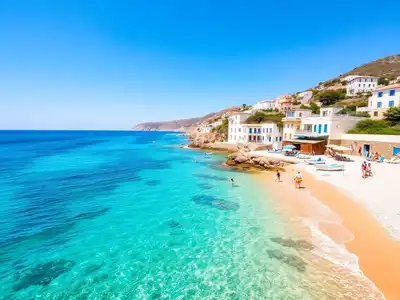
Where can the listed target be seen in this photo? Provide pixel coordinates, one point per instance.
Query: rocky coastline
(240, 156)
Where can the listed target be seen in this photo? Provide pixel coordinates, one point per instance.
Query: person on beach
(364, 169)
(360, 151)
(298, 179)
(278, 176)
(369, 170)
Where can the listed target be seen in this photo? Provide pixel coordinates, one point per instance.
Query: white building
(349, 78)
(265, 104)
(382, 99)
(265, 133)
(208, 128)
(361, 84)
(304, 97)
(292, 121)
(328, 124)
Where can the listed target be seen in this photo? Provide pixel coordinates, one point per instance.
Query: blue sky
(111, 64)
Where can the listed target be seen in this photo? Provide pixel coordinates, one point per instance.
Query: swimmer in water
(231, 180)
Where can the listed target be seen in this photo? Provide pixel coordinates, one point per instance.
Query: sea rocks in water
(92, 268)
(216, 203)
(91, 214)
(211, 177)
(246, 160)
(290, 260)
(174, 224)
(205, 186)
(152, 182)
(296, 244)
(43, 274)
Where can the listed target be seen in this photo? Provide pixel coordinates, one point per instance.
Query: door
(366, 149)
(396, 150)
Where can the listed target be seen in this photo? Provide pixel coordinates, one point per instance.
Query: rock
(241, 159)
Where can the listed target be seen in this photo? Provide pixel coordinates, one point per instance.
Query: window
(259, 130)
(263, 130)
(280, 139)
(359, 85)
(369, 85)
(325, 128)
(380, 94)
(300, 114)
(319, 128)
(240, 129)
(392, 92)
(391, 103)
(379, 105)
(291, 125)
(276, 139)
(375, 113)
(269, 139)
(250, 130)
(315, 128)
(270, 130)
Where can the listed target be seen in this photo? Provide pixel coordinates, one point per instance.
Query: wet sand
(348, 223)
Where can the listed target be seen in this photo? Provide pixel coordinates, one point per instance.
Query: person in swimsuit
(298, 179)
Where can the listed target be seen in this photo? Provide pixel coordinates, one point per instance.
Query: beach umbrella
(289, 147)
(287, 150)
(342, 148)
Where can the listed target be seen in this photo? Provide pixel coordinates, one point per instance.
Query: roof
(305, 141)
(388, 87)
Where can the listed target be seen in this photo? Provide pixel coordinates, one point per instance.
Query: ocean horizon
(133, 215)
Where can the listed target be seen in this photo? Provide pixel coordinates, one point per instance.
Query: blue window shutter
(391, 103)
(326, 128)
(379, 104)
(380, 94)
(392, 92)
(315, 128)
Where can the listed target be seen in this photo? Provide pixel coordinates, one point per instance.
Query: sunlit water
(131, 215)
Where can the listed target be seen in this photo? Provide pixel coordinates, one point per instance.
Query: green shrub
(393, 115)
(263, 117)
(374, 127)
(223, 128)
(383, 81)
(330, 97)
(313, 106)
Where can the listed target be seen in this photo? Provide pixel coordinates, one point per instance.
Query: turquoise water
(131, 215)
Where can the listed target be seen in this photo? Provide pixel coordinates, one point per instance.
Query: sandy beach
(347, 220)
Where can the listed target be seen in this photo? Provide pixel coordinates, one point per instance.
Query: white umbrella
(287, 150)
(289, 147)
(342, 148)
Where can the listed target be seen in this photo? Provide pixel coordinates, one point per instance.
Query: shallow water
(124, 215)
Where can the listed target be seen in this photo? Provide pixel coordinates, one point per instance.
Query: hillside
(388, 67)
(185, 124)
(176, 125)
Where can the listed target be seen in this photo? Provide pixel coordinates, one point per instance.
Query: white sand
(379, 194)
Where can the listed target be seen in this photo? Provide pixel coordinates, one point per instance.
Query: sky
(112, 64)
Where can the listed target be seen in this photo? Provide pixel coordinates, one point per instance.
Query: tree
(330, 97)
(315, 109)
(392, 116)
(383, 81)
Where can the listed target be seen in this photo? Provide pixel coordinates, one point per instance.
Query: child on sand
(298, 179)
(278, 176)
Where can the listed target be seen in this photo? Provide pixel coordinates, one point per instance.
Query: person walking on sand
(364, 169)
(278, 176)
(360, 151)
(298, 178)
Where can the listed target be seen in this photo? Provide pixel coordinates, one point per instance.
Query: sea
(135, 215)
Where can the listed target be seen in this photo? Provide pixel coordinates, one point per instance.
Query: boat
(315, 161)
(208, 153)
(330, 167)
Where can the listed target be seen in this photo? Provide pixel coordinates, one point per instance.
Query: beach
(356, 222)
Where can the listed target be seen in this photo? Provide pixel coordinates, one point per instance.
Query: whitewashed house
(208, 128)
(383, 98)
(310, 133)
(304, 97)
(266, 133)
(265, 104)
(361, 84)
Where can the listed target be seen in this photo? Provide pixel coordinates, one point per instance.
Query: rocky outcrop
(245, 160)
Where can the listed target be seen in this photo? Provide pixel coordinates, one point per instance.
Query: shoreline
(352, 225)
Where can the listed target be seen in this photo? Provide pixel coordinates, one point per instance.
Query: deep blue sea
(133, 215)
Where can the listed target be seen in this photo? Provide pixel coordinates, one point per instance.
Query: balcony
(308, 133)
